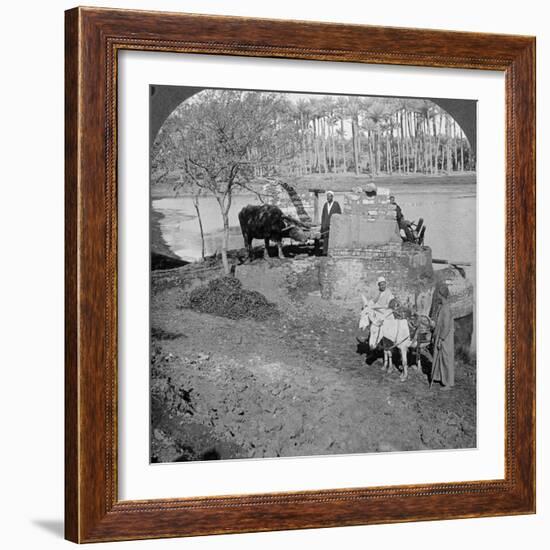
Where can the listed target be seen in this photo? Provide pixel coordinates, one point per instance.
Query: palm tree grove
(298, 135)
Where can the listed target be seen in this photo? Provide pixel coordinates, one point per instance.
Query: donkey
(384, 327)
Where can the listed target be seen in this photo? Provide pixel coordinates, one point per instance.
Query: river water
(449, 212)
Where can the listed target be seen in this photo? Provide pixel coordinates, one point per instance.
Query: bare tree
(167, 158)
(225, 134)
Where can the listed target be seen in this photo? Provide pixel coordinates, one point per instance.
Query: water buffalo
(268, 222)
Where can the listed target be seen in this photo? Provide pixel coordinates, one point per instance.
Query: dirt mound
(226, 297)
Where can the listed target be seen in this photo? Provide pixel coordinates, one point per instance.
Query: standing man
(443, 367)
(385, 295)
(330, 207)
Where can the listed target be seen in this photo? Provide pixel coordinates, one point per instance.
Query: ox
(268, 222)
(387, 330)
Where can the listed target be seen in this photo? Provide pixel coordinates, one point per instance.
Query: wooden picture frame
(93, 511)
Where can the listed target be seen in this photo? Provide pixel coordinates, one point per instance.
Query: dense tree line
(341, 134)
(374, 135)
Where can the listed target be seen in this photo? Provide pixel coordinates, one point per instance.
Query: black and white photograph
(313, 268)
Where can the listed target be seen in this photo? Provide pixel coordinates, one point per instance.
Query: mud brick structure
(363, 222)
(364, 244)
(348, 273)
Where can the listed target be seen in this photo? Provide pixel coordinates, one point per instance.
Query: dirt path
(292, 385)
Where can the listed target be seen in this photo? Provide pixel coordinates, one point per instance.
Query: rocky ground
(287, 383)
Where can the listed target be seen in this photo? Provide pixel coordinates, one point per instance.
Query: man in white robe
(384, 296)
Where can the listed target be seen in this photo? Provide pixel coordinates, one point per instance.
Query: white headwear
(381, 280)
(330, 192)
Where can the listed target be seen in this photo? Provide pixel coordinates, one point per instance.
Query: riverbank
(186, 236)
(346, 182)
(335, 182)
(162, 256)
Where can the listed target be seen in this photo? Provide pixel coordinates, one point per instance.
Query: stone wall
(356, 231)
(344, 277)
(348, 273)
(373, 208)
(365, 221)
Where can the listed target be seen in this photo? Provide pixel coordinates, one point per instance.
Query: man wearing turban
(330, 207)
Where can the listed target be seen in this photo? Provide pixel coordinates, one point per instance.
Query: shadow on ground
(55, 527)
